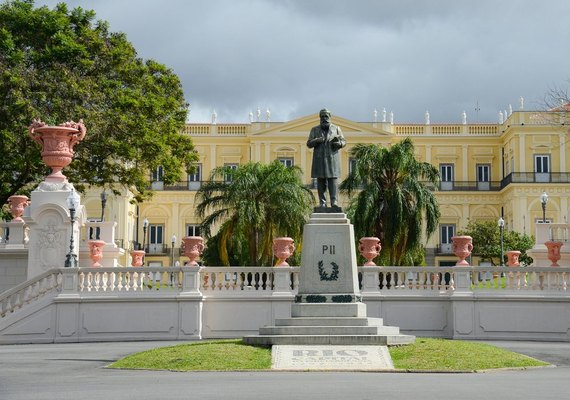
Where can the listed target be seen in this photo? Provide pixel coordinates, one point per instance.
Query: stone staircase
(329, 324)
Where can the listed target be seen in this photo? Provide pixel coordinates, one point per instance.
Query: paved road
(76, 371)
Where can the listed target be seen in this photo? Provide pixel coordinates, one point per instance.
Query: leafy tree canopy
(250, 206)
(487, 242)
(392, 199)
(60, 65)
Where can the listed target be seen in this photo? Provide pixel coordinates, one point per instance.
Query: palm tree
(393, 201)
(251, 205)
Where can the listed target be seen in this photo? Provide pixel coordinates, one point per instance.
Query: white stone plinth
(50, 228)
(329, 257)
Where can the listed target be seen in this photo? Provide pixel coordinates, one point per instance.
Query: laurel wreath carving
(324, 275)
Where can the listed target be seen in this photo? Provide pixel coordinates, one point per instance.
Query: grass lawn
(234, 355)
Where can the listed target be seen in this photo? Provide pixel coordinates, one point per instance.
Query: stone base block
(328, 310)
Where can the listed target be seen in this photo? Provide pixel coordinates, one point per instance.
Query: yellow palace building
(487, 170)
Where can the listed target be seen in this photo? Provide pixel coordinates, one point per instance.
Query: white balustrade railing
(406, 279)
(481, 279)
(235, 279)
(220, 281)
(30, 291)
(132, 279)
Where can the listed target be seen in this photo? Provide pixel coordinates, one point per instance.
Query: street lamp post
(173, 240)
(544, 200)
(145, 225)
(501, 223)
(103, 203)
(72, 203)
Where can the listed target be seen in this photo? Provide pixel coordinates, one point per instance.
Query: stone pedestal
(328, 261)
(97, 230)
(50, 227)
(18, 238)
(328, 308)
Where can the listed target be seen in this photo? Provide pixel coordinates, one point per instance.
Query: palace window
(156, 239)
(542, 167)
(286, 161)
(446, 173)
(446, 233)
(194, 180)
(228, 178)
(483, 177)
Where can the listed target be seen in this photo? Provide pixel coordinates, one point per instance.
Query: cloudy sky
(295, 57)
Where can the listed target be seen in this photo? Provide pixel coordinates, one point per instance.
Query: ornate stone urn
(137, 257)
(369, 248)
(513, 258)
(96, 251)
(283, 248)
(193, 248)
(57, 145)
(17, 205)
(553, 252)
(462, 248)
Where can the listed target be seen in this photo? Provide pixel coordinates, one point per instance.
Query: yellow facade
(487, 169)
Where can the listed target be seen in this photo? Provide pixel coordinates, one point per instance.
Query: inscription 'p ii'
(328, 249)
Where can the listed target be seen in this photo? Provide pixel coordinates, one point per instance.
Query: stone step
(328, 310)
(329, 321)
(329, 330)
(382, 340)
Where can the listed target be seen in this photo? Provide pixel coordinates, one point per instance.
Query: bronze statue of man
(326, 139)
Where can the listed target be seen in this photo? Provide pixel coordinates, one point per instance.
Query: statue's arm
(340, 141)
(314, 140)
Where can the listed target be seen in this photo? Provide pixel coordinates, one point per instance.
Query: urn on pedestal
(57, 144)
(283, 248)
(193, 247)
(17, 205)
(553, 252)
(137, 258)
(96, 251)
(369, 248)
(513, 258)
(462, 248)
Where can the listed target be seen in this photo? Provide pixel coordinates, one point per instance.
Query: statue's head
(325, 116)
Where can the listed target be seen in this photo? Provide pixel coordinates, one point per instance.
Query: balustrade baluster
(120, 282)
(136, 283)
(81, 281)
(295, 280)
(112, 278)
(105, 279)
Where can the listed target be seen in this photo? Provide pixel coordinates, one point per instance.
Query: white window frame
(193, 230)
(446, 232)
(483, 176)
(542, 167)
(447, 173)
(232, 166)
(155, 238)
(287, 161)
(195, 179)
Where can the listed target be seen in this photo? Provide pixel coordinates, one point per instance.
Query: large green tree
(487, 242)
(59, 65)
(251, 205)
(391, 199)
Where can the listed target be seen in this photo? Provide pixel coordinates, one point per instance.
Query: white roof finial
(464, 118)
(521, 103)
(375, 114)
(427, 117)
(501, 118)
(250, 117)
(214, 117)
